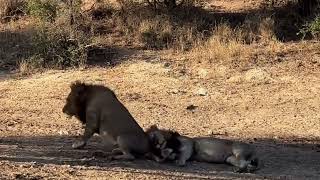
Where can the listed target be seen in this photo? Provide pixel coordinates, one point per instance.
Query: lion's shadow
(279, 158)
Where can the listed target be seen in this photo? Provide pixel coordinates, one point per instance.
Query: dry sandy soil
(273, 106)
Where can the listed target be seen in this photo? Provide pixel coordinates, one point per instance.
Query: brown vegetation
(185, 26)
(8, 9)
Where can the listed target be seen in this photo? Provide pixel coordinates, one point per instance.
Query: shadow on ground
(284, 159)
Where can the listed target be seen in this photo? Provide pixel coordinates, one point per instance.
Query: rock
(175, 91)
(222, 71)
(257, 75)
(202, 92)
(202, 73)
(235, 79)
(88, 4)
(191, 107)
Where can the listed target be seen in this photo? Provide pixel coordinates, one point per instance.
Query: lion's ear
(78, 87)
(76, 84)
(153, 127)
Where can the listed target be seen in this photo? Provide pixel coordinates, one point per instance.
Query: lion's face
(157, 139)
(75, 105)
(70, 108)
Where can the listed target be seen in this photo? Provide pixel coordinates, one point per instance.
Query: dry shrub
(55, 47)
(62, 41)
(258, 28)
(223, 47)
(15, 39)
(58, 40)
(49, 41)
(10, 8)
(26, 68)
(135, 23)
(233, 46)
(156, 33)
(266, 29)
(182, 28)
(141, 25)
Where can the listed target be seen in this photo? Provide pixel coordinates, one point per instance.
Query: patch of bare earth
(272, 108)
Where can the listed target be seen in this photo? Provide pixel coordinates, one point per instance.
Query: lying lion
(171, 145)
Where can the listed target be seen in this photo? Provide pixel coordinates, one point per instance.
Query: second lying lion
(173, 146)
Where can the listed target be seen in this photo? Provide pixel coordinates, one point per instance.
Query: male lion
(173, 146)
(99, 109)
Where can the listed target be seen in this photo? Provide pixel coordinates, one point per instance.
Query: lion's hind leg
(242, 164)
(239, 163)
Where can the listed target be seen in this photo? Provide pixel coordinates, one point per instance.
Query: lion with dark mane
(98, 108)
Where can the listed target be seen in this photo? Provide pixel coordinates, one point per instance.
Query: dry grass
(141, 26)
(134, 24)
(25, 68)
(234, 47)
(222, 47)
(15, 42)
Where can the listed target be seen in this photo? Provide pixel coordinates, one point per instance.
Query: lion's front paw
(180, 162)
(78, 144)
(166, 152)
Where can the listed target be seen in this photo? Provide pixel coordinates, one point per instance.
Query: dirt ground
(274, 106)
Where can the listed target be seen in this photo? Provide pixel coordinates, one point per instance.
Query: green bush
(312, 27)
(43, 9)
(56, 47)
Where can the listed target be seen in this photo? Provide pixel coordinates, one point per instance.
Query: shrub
(155, 34)
(9, 8)
(312, 28)
(43, 9)
(225, 44)
(56, 47)
(162, 29)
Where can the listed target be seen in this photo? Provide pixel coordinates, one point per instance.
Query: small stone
(175, 91)
(191, 107)
(202, 92)
(257, 76)
(234, 79)
(202, 73)
(167, 64)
